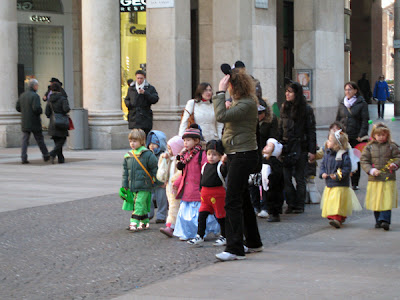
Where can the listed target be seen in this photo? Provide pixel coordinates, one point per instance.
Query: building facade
(93, 47)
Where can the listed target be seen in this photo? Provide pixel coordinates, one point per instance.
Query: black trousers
(295, 197)
(274, 200)
(201, 231)
(356, 175)
(381, 108)
(57, 150)
(240, 217)
(38, 135)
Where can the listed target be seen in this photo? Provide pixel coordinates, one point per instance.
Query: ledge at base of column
(10, 136)
(107, 130)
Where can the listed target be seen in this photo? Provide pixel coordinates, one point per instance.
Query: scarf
(192, 153)
(349, 102)
(141, 86)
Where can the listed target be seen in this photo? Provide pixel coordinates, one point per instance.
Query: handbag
(190, 120)
(60, 121)
(71, 124)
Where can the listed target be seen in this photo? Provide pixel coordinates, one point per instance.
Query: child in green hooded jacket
(138, 177)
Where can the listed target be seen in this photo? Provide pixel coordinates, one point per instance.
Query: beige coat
(377, 156)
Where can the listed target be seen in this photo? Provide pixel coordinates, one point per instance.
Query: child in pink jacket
(187, 186)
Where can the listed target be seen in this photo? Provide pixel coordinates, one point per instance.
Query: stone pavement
(354, 262)
(62, 236)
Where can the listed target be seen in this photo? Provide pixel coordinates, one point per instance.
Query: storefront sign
(304, 77)
(40, 19)
(132, 5)
(261, 3)
(25, 5)
(138, 29)
(160, 3)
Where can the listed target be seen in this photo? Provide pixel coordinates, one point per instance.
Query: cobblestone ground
(82, 250)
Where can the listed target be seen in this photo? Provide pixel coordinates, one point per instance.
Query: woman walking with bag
(57, 104)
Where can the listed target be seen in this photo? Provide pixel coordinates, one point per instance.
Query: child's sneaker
(263, 214)
(196, 241)
(221, 241)
(133, 227)
(143, 226)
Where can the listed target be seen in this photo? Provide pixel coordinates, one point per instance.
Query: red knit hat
(192, 132)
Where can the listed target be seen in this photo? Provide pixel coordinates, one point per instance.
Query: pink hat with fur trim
(176, 144)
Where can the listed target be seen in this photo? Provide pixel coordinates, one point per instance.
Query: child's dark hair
(336, 124)
(215, 145)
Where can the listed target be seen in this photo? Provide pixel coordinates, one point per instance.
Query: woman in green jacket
(240, 144)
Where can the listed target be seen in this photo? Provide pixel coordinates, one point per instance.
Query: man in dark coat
(365, 88)
(48, 93)
(141, 95)
(29, 106)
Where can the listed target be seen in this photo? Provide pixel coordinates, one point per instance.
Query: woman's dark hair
(55, 87)
(200, 90)
(354, 86)
(295, 109)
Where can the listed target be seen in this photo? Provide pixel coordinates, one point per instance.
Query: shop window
(54, 6)
(133, 49)
(40, 56)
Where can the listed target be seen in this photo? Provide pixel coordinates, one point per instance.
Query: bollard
(79, 137)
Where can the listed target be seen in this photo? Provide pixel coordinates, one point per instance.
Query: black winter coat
(140, 115)
(268, 130)
(29, 106)
(302, 129)
(355, 121)
(60, 105)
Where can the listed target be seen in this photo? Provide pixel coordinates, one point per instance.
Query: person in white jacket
(202, 108)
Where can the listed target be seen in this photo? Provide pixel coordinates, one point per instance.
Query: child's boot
(334, 223)
(385, 225)
(168, 231)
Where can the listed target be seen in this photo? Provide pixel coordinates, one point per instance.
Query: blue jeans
(160, 195)
(383, 216)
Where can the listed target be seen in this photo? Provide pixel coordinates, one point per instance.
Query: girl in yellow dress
(380, 158)
(338, 200)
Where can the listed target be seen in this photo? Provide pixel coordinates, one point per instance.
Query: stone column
(10, 128)
(206, 41)
(232, 34)
(249, 36)
(169, 62)
(101, 74)
(319, 46)
(265, 51)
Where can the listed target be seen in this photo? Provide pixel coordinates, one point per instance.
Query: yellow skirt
(339, 200)
(381, 195)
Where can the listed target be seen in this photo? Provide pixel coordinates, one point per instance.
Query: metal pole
(396, 58)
